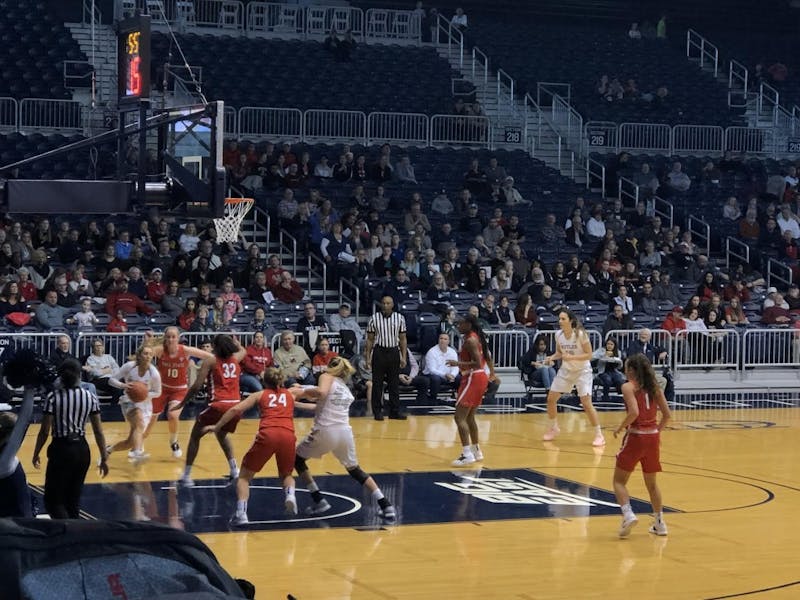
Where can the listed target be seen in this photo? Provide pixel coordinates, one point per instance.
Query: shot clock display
(133, 50)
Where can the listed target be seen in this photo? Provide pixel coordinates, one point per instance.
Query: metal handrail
(737, 71)
(732, 246)
(476, 52)
(293, 248)
(504, 78)
(770, 96)
(778, 271)
(665, 210)
(706, 48)
(601, 175)
(92, 11)
(701, 231)
(624, 187)
(261, 217)
(312, 259)
(454, 36)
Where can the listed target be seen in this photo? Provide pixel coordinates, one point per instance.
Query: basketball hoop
(228, 227)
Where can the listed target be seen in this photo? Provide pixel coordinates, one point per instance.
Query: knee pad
(357, 474)
(300, 464)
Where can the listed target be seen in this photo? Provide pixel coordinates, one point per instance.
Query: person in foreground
(15, 496)
(331, 432)
(275, 437)
(574, 350)
(641, 444)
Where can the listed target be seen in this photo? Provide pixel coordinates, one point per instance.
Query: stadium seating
(300, 74)
(35, 45)
(580, 55)
(72, 165)
(767, 49)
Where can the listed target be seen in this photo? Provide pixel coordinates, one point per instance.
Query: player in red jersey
(221, 372)
(641, 444)
(172, 361)
(275, 437)
(473, 361)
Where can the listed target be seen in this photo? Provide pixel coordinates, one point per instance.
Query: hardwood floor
(536, 521)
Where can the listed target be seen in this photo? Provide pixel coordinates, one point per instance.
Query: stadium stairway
(509, 118)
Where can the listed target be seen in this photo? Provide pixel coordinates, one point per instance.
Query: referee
(386, 352)
(66, 411)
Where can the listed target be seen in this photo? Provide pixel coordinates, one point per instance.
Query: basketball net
(228, 227)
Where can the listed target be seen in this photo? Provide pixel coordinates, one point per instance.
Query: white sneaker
(551, 433)
(234, 474)
(138, 456)
(239, 518)
(628, 523)
(658, 528)
(388, 513)
(176, 450)
(318, 507)
(599, 440)
(186, 482)
(478, 454)
(464, 460)
(290, 504)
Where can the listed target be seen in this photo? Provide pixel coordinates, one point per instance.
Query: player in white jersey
(574, 350)
(331, 432)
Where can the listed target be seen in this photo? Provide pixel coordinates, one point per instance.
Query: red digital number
(135, 77)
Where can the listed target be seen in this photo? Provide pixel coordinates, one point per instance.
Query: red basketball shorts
(276, 441)
(214, 412)
(167, 395)
(473, 387)
(640, 448)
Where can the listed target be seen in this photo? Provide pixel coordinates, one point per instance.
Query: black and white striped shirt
(70, 409)
(387, 330)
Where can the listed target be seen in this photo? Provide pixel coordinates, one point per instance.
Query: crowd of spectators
(621, 263)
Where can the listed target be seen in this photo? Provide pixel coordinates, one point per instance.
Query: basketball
(138, 391)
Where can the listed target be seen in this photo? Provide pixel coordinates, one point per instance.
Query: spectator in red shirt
(189, 314)
(257, 359)
(289, 291)
(273, 271)
(117, 324)
(674, 321)
(123, 300)
(737, 288)
(156, 288)
(26, 288)
(324, 355)
(776, 314)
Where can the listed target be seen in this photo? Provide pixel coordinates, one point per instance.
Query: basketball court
(534, 520)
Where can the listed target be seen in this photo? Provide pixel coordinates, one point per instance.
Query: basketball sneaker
(290, 504)
(464, 460)
(388, 513)
(478, 454)
(658, 528)
(176, 450)
(187, 482)
(318, 507)
(599, 440)
(628, 523)
(239, 518)
(138, 456)
(551, 433)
